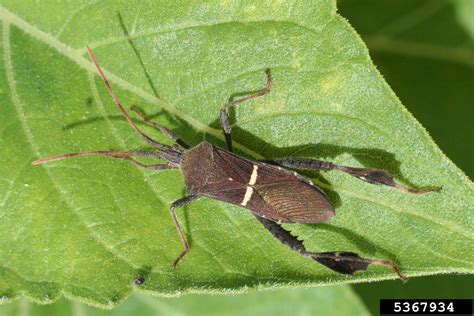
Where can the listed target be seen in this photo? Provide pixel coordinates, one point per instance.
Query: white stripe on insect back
(247, 196)
(249, 191)
(253, 177)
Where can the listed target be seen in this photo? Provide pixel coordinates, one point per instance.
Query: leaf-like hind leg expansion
(224, 116)
(374, 176)
(179, 203)
(342, 262)
(162, 129)
(350, 262)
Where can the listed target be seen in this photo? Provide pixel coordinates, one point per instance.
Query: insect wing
(296, 202)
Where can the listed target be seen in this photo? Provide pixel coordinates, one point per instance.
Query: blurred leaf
(335, 300)
(88, 227)
(438, 90)
(440, 286)
(465, 11)
(426, 54)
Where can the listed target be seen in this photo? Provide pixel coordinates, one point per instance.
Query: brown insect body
(268, 191)
(273, 194)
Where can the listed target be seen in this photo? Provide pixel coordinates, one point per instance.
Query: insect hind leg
(374, 176)
(339, 261)
(350, 262)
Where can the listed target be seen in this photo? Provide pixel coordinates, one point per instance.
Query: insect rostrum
(271, 192)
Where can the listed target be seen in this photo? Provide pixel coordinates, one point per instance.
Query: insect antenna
(171, 154)
(142, 135)
(112, 153)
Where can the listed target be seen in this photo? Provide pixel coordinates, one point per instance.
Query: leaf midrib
(76, 56)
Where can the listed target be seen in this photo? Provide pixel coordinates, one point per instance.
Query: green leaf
(87, 227)
(426, 54)
(434, 82)
(334, 300)
(445, 286)
(463, 9)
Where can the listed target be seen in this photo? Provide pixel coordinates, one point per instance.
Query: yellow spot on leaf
(331, 82)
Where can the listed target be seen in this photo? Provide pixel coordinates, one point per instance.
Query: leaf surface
(423, 48)
(335, 300)
(87, 227)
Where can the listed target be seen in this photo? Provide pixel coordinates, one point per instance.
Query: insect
(271, 192)
(139, 280)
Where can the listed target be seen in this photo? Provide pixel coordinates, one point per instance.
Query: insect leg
(349, 262)
(179, 203)
(162, 129)
(374, 176)
(224, 116)
(342, 262)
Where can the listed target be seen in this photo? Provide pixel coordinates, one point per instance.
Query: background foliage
(424, 49)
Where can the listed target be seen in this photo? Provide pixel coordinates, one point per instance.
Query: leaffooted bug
(272, 193)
